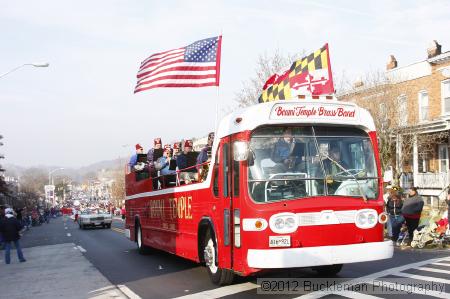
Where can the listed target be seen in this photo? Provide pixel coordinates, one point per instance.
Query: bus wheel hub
(208, 255)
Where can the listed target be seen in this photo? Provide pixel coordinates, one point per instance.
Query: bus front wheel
(329, 269)
(218, 276)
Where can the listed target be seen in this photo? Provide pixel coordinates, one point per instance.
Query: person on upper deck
(187, 175)
(163, 163)
(204, 156)
(176, 150)
(150, 156)
(205, 153)
(166, 176)
(133, 159)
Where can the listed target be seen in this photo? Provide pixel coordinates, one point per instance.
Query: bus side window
(216, 176)
(216, 181)
(236, 170)
(225, 158)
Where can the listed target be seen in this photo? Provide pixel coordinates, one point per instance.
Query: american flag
(196, 65)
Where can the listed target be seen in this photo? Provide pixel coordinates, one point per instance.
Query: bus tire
(329, 269)
(140, 245)
(218, 276)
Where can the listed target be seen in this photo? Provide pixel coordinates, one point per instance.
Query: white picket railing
(431, 180)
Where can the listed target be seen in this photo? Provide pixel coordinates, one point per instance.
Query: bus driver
(282, 152)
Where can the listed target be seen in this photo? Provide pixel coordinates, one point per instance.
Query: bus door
(235, 178)
(222, 210)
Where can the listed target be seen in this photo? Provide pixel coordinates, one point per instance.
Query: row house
(411, 108)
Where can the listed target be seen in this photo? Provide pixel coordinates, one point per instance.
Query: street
(162, 275)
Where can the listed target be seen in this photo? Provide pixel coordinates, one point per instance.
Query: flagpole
(216, 121)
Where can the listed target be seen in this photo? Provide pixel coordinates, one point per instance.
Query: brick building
(411, 108)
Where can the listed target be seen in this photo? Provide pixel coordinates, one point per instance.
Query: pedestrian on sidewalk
(394, 210)
(447, 200)
(123, 212)
(10, 228)
(411, 210)
(2, 215)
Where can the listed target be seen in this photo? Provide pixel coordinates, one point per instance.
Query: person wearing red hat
(133, 159)
(176, 149)
(186, 175)
(157, 144)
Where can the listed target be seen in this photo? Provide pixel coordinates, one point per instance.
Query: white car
(93, 218)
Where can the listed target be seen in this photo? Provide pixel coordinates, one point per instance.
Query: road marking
(68, 234)
(221, 292)
(422, 277)
(81, 249)
(130, 294)
(356, 295)
(441, 264)
(65, 227)
(392, 271)
(118, 230)
(396, 286)
(434, 270)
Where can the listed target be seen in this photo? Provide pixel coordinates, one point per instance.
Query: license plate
(279, 241)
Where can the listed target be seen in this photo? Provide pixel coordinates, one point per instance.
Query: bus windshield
(290, 162)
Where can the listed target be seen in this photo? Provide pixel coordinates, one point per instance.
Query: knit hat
(188, 143)
(138, 146)
(157, 141)
(177, 145)
(167, 146)
(9, 211)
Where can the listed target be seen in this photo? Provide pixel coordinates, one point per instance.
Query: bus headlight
(366, 218)
(240, 150)
(279, 223)
(283, 223)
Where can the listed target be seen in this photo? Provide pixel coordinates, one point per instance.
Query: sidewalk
(54, 271)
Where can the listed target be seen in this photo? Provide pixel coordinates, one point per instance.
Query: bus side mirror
(240, 150)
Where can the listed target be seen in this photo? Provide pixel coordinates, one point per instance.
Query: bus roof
(306, 111)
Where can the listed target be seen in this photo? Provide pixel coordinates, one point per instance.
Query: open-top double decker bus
(293, 183)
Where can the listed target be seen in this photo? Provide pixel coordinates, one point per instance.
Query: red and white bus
(291, 184)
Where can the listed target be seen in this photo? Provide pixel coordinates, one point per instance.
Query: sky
(82, 109)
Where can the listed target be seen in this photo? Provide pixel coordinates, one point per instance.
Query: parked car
(93, 218)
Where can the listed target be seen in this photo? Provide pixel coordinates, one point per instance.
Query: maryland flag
(309, 75)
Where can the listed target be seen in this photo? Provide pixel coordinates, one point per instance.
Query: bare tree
(266, 66)
(118, 187)
(386, 98)
(3, 186)
(33, 180)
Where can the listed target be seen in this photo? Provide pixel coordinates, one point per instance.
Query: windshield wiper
(346, 171)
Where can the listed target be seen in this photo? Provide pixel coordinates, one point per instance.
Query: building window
(423, 105)
(423, 163)
(443, 157)
(445, 94)
(402, 110)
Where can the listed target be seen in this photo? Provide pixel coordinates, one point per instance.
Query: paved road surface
(162, 275)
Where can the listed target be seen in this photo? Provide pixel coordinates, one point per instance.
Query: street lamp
(43, 64)
(50, 179)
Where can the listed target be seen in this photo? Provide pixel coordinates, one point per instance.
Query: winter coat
(412, 207)
(10, 228)
(393, 208)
